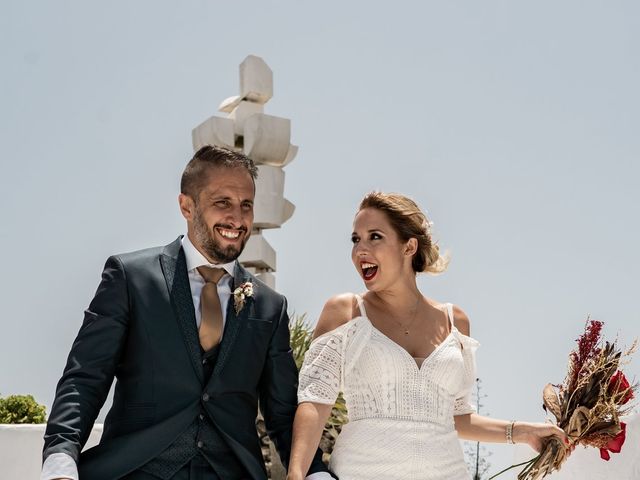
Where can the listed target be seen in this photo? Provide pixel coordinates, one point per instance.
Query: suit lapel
(234, 322)
(174, 268)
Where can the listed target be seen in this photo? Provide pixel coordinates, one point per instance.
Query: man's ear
(187, 206)
(411, 247)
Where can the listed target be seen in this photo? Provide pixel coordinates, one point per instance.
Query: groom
(192, 358)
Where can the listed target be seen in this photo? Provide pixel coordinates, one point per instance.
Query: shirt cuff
(58, 466)
(61, 465)
(319, 476)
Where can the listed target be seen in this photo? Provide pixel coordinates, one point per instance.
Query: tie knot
(211, 274)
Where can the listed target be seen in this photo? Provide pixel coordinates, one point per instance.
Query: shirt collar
(195, 259)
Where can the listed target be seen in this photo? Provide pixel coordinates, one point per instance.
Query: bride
(404, 362)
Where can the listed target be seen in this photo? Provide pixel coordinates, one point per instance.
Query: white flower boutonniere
(241, 294)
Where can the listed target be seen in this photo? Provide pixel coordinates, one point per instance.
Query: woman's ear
(411, 247)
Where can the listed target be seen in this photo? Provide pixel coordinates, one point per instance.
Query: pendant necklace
(413, 318)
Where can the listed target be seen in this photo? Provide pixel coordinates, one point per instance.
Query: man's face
(219, 221)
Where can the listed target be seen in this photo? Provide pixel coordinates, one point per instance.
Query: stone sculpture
(265, 139)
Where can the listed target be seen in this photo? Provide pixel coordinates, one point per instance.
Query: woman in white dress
(404, 362)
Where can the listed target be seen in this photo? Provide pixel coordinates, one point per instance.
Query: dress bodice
(380, 379)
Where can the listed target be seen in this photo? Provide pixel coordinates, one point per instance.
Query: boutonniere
(241, 294)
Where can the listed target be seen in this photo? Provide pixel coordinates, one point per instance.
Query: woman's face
(378, 253)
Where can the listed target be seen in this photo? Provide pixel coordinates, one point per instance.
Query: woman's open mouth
(369, 270)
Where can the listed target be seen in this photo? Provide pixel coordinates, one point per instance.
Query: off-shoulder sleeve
(462, 405)
(321, 372)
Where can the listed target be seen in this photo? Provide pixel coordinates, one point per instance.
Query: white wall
(21, 450)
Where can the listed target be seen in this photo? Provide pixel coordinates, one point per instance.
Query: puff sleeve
(462, 405)
(321, 373)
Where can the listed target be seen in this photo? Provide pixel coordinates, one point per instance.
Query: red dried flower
(619, 384)
(615, 444)
(587, 348)
(589, 340)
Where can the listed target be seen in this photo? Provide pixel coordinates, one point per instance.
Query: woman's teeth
(369, 270)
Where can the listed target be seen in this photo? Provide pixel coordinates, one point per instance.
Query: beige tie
(211, 319)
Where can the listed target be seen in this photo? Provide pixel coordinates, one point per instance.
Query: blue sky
(515, 124)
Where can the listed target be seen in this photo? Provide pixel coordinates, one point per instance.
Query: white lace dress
(400, 415)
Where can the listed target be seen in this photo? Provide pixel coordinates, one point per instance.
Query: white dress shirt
(196, 259)
(61, 465)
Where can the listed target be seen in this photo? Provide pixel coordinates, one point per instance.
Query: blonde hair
(410, 222)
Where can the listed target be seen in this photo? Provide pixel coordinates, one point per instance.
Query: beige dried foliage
(584, 408)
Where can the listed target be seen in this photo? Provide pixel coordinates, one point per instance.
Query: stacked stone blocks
(265, 139)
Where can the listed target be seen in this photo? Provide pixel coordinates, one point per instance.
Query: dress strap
(360, 300)
(450, 314)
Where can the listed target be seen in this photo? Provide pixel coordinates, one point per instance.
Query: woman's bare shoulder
(337, 311)
(461, 320)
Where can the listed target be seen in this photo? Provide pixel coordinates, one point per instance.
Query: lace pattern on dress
(328, 359)
(378, 379)
(320, 378)
(462, 405)
(401, 416)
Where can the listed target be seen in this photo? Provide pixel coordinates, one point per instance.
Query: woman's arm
(307, 430)
(485, 429)
(312, 416)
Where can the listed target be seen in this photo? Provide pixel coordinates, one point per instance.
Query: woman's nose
(360, 250)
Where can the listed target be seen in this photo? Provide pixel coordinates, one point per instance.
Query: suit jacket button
(200, 444)
(205, 397)
(201, 416)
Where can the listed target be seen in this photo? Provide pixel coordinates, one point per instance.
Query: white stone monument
(267, 141)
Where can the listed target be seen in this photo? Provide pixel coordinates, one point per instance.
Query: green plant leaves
(21, 409)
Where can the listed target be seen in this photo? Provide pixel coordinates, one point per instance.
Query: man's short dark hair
(195, 173)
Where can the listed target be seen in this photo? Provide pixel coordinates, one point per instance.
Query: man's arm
(90, 368)
(278, 393)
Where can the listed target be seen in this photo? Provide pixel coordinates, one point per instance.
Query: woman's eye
(355, 240)
(375, 236)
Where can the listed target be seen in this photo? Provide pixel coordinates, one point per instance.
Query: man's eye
(247, 206)
(222, 203)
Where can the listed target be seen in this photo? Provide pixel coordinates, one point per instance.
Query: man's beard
(212, 248)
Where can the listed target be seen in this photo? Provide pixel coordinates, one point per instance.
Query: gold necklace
(413, 318)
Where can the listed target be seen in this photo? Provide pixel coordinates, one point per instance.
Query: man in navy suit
(185, 400)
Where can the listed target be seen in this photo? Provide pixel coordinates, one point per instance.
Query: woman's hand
(534, 434)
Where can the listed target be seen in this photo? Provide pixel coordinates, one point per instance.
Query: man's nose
(234, 215)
